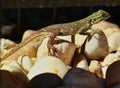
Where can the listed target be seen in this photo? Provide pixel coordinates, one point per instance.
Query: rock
(96, 46)
(25, 63)
(95, 68)
(48, 64)
(114, 41)
(61, 49)
(80, 61)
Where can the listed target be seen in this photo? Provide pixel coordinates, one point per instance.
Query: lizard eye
(91, 21)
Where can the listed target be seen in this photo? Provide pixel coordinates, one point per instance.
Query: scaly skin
(76, 27)
(17, 50)
(71, 28)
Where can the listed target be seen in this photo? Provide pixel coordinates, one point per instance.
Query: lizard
(33, 41)
(71, 28)
(75, 27)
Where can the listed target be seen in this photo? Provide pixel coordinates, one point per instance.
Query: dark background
(35, 18)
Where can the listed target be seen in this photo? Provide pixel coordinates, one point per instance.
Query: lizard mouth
(106, 15)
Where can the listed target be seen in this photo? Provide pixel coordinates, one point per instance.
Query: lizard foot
(52, 51)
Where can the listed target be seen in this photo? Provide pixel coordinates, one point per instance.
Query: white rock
(48, 64)
(104, 25)
(96, 46)
(96, 68)
(80, 62)
(104, 69)
(79, 40)
(25, 62)
(43, 49)
(13, 66)
(118, 51)
(63, 50)
(10, 66)
(109, 31)
(114, 41)
(110, 58)
(67, 38)
(27, 34)
(6, 44)
(83, 64)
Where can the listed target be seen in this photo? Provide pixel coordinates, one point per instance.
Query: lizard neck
(77, 26)
(97, 17)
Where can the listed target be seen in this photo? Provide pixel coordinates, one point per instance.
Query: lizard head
(98, 16)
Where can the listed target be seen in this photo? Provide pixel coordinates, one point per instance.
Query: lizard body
(33, 41)
(71, 28)
(76, 27)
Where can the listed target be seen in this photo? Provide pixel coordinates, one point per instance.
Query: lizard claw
(51, 48)
(52, 51)
(92, 32)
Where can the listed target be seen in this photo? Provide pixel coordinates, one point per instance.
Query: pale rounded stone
(27, 34)
(95, 67)
(83, 64)
(114, 41)
(64, 50)
(109, 31)
(80, 61)
(43, 49)
(11, 66)
(110, 58)
(79, 39)
(61, 48)
(6, 44)
(48, 64)
(104, 69)
(25, 62)
(3, 52)
(118, 51)
(96, 47)
(107, 27)
(67, 38)
(103, 25)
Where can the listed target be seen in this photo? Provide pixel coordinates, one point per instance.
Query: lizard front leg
(51, 48)
(84, 30)
(52, 51)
